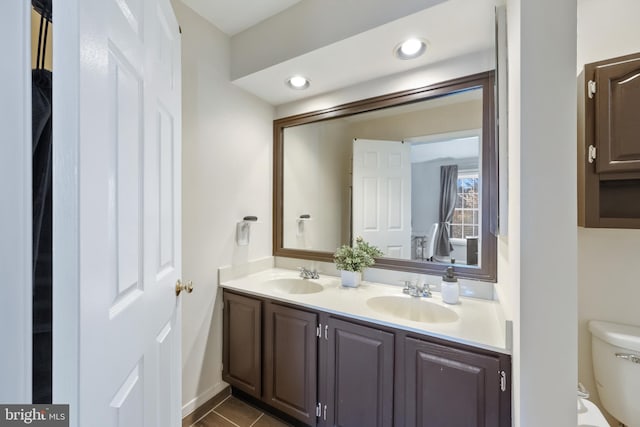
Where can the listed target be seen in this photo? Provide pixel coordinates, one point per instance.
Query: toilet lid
(623, 336)
(589, 415)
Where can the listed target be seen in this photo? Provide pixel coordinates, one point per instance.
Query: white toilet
(616, 365)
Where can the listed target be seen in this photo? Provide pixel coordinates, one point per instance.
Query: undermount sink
(291, 285)
(415, 309)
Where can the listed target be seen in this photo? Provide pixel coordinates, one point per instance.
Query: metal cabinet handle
(628, 356)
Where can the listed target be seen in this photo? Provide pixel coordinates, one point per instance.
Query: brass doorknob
(188, 287)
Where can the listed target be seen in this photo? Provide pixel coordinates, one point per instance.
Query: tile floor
(232, 412)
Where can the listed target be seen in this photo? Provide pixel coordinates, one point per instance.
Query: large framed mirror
(412, 172)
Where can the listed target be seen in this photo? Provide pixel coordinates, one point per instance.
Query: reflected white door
(382, 195)
(117, 214)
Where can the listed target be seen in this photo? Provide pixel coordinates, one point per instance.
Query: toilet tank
(616, 365)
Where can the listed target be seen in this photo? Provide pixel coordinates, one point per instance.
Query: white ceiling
(457, 148)
(453, 28)
(234, 16)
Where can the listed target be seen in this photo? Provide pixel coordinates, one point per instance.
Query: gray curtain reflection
(448, 195)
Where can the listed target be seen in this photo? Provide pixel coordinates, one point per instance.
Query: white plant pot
(350, 279)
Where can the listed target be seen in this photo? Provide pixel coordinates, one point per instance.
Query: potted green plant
(352, 260)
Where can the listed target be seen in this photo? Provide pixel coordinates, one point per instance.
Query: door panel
(117, 194)
(128, 402)
(167, 386)
(617, 125)
(359, 375)
(164, 179)
(291, 361)
(370, 203)
(126, 143)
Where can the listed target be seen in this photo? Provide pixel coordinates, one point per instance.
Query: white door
(15, 202)
(117, 213)
(382, 195)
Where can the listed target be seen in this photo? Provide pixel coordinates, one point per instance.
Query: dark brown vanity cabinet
(609, 143)
(290, 361)
(242, 343)
(270, 352)
(360, 371)
(326, 370)
(444, 386)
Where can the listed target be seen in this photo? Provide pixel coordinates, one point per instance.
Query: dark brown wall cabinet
(324, 370)
(609, 143)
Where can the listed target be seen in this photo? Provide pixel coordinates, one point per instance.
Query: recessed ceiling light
(410, 48)
(298, 82)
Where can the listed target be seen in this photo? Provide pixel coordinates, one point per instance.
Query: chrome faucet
(308, 274)
(416, 290)
(424, 291)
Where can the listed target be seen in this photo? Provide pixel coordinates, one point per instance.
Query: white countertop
(478, 325)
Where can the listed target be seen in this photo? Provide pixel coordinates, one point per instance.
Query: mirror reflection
(406, 178)
(412, 172)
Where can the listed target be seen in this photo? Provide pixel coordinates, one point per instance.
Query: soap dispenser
(450, 289)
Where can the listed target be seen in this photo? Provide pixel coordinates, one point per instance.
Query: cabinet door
(291, 347)
(359, 376)
(617, 124)
(242, 344)
(449, 387)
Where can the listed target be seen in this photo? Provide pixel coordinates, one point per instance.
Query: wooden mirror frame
(488, 263)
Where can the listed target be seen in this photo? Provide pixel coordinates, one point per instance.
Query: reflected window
(466, 216)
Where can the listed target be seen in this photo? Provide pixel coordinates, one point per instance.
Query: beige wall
(317, 159)
(447, 118)
(608, 267)
(226, 174)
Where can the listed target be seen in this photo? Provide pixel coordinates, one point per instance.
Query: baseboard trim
(200, 405)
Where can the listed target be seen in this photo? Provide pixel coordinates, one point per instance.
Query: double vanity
(319, 354)
(369, 356)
